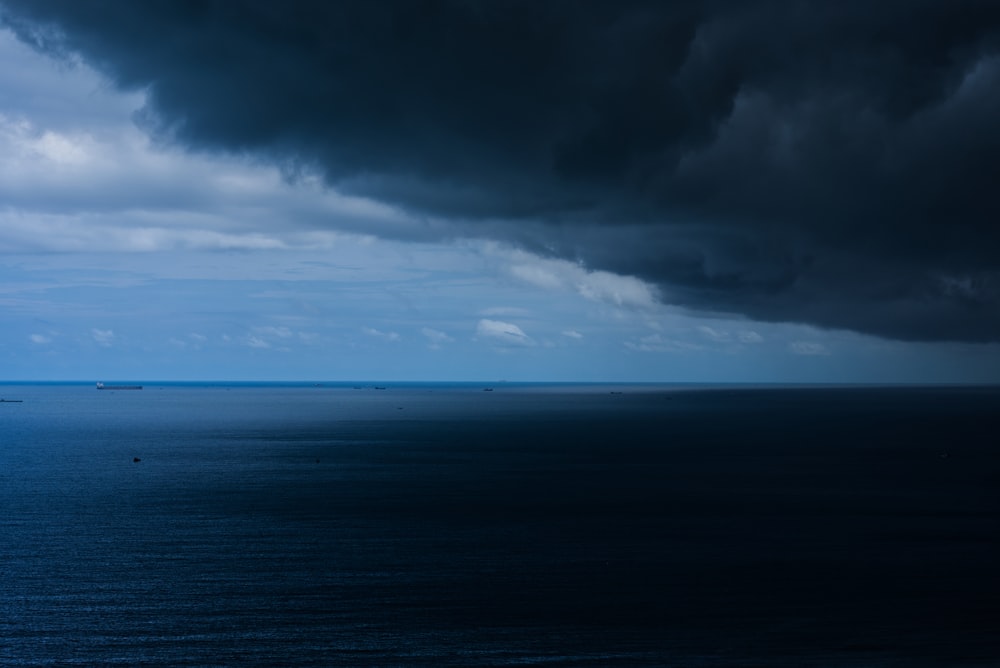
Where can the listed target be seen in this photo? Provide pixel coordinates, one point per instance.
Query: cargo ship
(102, 386)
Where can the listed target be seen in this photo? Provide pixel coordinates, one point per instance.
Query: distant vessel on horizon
(102, 386)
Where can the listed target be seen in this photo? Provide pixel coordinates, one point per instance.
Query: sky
(773, 191)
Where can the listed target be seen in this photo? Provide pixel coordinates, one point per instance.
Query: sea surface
(556, 525)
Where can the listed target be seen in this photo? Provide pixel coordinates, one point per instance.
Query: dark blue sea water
(444, 525)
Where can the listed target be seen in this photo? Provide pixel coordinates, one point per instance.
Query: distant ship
(102, 386)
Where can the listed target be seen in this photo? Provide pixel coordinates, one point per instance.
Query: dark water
(530, 525)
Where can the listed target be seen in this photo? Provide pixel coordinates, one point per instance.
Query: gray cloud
(824, 163)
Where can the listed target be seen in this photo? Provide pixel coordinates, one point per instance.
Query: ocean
(440, 524)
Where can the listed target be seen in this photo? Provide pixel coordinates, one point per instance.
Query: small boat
(11, 401)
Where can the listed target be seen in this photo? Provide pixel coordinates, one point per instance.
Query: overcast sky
(750, 192)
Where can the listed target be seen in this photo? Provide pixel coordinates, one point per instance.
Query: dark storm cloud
(832, 163)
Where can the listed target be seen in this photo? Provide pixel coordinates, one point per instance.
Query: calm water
(444, 525)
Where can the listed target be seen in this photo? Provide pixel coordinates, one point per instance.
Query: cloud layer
(828, 164)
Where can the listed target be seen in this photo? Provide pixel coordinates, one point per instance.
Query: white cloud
(436, 337)
(61, 149)
(385, 336)
(807, 348)
(40, 339)
(717, 335)
(103, 337)
(616, 289)
(572, 333)
(537, 275)
(552, 274)
(256, 342)
(504, 333)
(657, 343)
(159, 198)
(750, 336)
